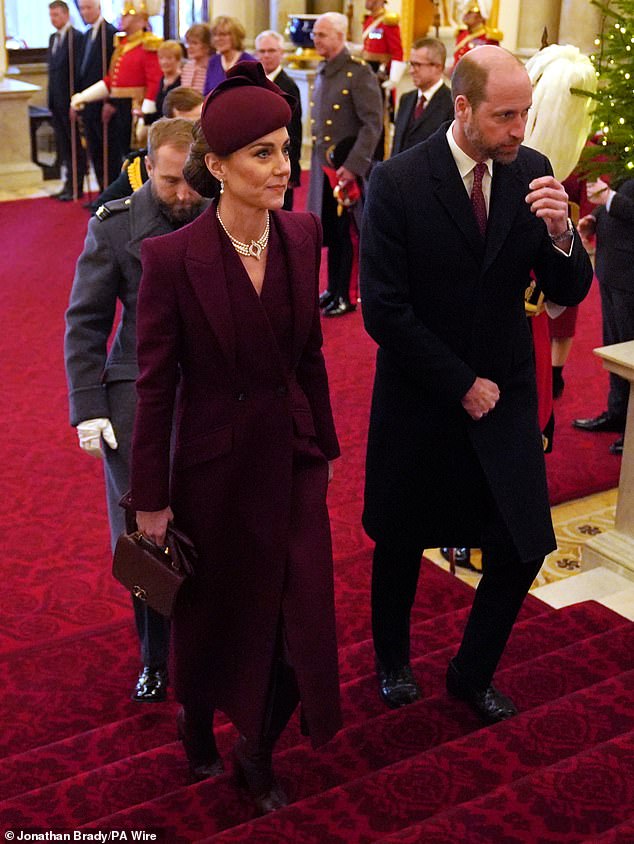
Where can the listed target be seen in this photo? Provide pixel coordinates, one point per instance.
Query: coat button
(281, 390)
(241, 396)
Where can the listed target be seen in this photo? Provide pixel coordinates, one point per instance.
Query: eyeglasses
(416, 65)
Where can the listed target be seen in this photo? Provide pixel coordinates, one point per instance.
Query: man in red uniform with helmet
(134, 72)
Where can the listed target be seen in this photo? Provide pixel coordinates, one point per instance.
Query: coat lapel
(449, 189)
(507, 194)
(296, 243)
(205, 270)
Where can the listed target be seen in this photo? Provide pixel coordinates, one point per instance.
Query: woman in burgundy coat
(229, 332)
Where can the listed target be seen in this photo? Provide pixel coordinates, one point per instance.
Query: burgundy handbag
(152, 573)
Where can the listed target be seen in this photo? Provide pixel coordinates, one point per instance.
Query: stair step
(584, 794)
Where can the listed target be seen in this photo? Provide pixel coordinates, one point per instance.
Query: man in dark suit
(64, 55)
(451, 231)
(612, 221)
(422, 111)
(269, 49)
(94, 64)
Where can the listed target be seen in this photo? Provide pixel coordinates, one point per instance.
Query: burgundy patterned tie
(477, 198)
(420, 106)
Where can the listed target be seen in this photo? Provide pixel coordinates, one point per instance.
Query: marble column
(614, 549)
(579, 24)
(279, 10)
(3, 53)
(533, 17)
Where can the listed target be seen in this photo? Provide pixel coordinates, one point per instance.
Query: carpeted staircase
(79, 755)
(76, 753)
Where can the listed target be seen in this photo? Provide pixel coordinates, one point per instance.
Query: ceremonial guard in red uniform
(381, 36)
(134, 72)
(479, 27)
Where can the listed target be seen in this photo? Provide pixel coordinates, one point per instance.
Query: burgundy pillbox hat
(242, 108)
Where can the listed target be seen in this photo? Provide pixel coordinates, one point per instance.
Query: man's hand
(345, 176)
(91, 432)
(586, 227)
(153, 524)
(549, 201)
(482, 397)
(598, 192)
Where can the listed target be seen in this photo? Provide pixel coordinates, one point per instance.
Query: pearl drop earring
(222, 186)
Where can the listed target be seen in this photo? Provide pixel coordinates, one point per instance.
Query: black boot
(254, 772)
(197, 735)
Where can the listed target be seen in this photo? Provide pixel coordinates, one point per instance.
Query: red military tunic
(466, 40)
(134, 68)
(382, 38)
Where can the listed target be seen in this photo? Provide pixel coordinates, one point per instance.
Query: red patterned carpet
(76, 753)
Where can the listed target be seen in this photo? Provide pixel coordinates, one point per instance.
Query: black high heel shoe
(255, 774)
(200, 748)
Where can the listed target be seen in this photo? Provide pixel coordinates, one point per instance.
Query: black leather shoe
(151, 687)
(461, 557)
(325, 299)
(492, 706)
(617, 446)
(339, 307)
(200, 748)
(398, 687)
(255, 774)
(603, 422)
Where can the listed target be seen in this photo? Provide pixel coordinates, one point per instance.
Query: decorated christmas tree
(614, 100)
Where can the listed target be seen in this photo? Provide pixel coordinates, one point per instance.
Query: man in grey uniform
(346, 113)
(101, 382)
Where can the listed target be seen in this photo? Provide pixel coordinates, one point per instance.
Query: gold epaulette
(358, 59)
(152, 42)
(133, 171)
(391, 19)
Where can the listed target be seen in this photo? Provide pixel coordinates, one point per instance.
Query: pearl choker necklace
(253, 249)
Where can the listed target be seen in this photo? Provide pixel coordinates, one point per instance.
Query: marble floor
(564, 579)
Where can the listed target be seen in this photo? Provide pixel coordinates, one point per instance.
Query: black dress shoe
(151, 687)
(617, 446)
(339, 307)
(254, 773)
(490, 704)
(398, 687)
(325, 299)
(200, 748)
(603, 422)
(461, 557)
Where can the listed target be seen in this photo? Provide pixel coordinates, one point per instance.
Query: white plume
(559, 122)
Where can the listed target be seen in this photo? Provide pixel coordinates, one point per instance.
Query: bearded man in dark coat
(451, 231)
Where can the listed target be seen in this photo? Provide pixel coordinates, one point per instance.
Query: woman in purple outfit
(227, 37)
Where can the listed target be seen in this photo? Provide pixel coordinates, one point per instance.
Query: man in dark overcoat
(612, 221)
(452, 229)
(347, 106)
(101, 378)
(97, 116)
(64, 54)
(429, 105)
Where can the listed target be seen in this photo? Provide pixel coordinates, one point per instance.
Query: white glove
(98, 91)
(397, 69)
(91, 432)
(148, 107)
